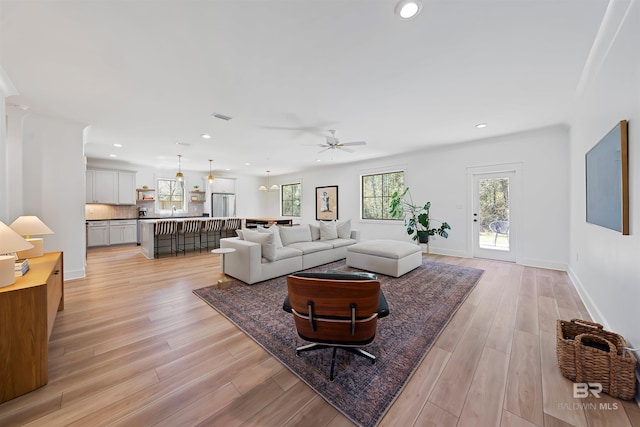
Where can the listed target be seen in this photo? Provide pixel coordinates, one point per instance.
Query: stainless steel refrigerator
(223, 205)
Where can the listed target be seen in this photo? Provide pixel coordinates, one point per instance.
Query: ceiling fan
(334, 143)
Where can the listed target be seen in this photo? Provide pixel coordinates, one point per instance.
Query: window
(376, 193)
(290, 195)
(170, 194)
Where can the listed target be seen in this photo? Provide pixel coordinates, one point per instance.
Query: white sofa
(279, 250)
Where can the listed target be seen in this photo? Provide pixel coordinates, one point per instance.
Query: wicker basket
(589, 354)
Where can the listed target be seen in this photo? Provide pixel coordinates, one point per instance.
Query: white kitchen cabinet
(122, 231)
(126, 188)
(98, 233)
(102, 186)
(223, 185)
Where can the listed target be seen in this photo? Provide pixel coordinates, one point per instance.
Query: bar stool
(231, 225)
(161, 230)
(189, 227)
(212, 226)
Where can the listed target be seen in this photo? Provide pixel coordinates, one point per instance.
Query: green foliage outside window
(290, 194)
(170, 193)
(377, 192)
(494, 201)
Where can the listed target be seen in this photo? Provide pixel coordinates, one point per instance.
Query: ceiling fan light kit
(333, 143)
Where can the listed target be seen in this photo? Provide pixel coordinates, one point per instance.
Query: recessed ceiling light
(117, 145)
(112, 155)
(184, 144)
(247, 164)
(407, 9)
(481, 125)
(318, 160)
(205, 136)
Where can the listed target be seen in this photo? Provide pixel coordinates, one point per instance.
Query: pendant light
(268, 188)
(179, 175)
(210, 177)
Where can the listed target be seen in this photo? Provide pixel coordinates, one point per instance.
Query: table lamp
(29, 225)
(10, 242)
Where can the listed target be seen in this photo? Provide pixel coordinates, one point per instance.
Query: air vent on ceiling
(221, 116)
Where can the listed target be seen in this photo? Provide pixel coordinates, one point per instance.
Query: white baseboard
(75, 274)
(541, 263)
(598, 317)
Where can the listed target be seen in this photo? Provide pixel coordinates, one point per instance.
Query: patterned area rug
(421, 303)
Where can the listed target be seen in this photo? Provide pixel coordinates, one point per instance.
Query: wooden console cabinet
(27, 311)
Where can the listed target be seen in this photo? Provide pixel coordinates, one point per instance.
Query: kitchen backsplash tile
(96, 211)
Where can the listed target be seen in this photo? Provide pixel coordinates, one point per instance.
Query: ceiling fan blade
(322, 151)
(354, 143)
(343, 148)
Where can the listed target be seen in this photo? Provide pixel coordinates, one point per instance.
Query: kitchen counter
(147, 241)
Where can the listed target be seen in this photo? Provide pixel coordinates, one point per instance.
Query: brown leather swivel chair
(336, 310)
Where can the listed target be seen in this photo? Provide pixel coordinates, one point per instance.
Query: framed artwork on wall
(327, 203)
(607, 186)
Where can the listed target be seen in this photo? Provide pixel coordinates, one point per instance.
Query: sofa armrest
(246, 262)
(355, 234)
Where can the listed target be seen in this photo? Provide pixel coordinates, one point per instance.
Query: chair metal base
(354, 350)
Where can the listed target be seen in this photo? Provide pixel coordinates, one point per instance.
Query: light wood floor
(134, 347)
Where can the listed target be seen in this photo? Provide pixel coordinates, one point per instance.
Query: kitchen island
(147, 237)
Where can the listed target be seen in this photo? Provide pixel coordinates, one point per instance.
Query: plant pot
(423, 237)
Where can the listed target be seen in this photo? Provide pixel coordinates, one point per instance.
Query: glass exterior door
(492, 216)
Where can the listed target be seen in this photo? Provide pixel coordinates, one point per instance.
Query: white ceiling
(147, 74)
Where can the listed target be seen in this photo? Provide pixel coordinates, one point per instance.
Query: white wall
(604, 264)
(439, 175)
(53, 185)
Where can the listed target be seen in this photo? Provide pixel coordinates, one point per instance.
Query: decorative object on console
(30, 225)
(10, 242)
(327, 203)
(416, 218)
(268, 188)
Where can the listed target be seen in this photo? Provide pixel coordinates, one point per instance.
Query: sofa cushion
(295, 234)
(310, 247)
(344, 229)
(285, 252)
(266, 241)
(338, 243)
(315, 231)
(328, 230)
(276, 234)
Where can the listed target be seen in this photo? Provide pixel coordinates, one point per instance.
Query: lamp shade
(10, 241)
(30, 225)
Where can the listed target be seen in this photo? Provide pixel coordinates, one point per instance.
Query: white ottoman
(390, 257)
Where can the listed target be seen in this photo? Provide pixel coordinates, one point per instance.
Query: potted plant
(416, 217)
(195, 187)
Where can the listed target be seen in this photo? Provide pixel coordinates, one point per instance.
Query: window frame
(382, 197)
(183, 208)
(282, 200)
